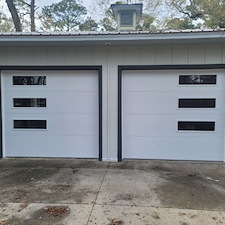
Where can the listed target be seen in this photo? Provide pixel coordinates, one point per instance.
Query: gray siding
(127, 55)
(110, 57)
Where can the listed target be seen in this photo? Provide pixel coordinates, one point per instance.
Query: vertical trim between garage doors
(46, 68)
(146, 67)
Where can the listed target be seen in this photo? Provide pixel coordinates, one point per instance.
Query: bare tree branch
(15, 16)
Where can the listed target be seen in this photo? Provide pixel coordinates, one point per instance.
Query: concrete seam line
(98, 193)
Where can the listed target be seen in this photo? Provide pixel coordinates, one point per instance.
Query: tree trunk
(32, 16)
(15, 16)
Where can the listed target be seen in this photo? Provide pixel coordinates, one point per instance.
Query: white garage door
(50, 114)
(175, 115)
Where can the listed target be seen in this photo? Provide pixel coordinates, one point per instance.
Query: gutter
(110, 37)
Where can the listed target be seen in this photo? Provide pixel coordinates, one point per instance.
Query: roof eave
(125, 38)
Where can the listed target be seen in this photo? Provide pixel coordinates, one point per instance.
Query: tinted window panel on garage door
(197, 103)
(30, 124)
(29, 80)
(196, 125)
(197, 79)
(29, 102)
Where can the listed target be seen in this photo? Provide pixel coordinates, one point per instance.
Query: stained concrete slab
(50, 185)
(133, 215)
(36, 214)
(182, 184)
(7, 163)
(129, 187)
(132, 192)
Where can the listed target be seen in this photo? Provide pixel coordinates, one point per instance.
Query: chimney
(127, 15)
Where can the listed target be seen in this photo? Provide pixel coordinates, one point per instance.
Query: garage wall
(110, 57)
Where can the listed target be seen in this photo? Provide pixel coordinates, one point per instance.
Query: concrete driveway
(88, 192)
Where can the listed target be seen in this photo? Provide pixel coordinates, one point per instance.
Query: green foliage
(6, 24)
(108, 23)
(63, 16)
(146, 23)
(179, 24)
(211, 12)
(88, 25)
(214, 15)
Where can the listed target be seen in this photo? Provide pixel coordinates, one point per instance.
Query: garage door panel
(154, 104)
(79, 81)
(173, 148)
(61, 124)
(49, 146)
(167, 102)
(134, 82)
(76, 102)
(149, 102)
(59, 116)
(161, 125)
(68, 101)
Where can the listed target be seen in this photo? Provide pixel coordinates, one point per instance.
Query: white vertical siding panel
(25, 56)
(1, 56)
(132, 56)
(85, 56)
(164, 55)
(40, 56)
(100, 56)
(197, 55)
(70, 56)
(148, 56)
(10, 56)
(223, 56)
(214, 54)
(115, 58)
(55, 56)
(180, 55)
(101, 59)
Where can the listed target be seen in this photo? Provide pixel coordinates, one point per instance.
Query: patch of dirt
(190, 191)
(4, 222)
(159, 168)
(147, 166)
(26, 176)
(156, 216)
(116, 221)
(22, 163)
(124, 197)
(55, 211)
(45, 216)
(51, 194)
(42, 186)
(18, 195)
